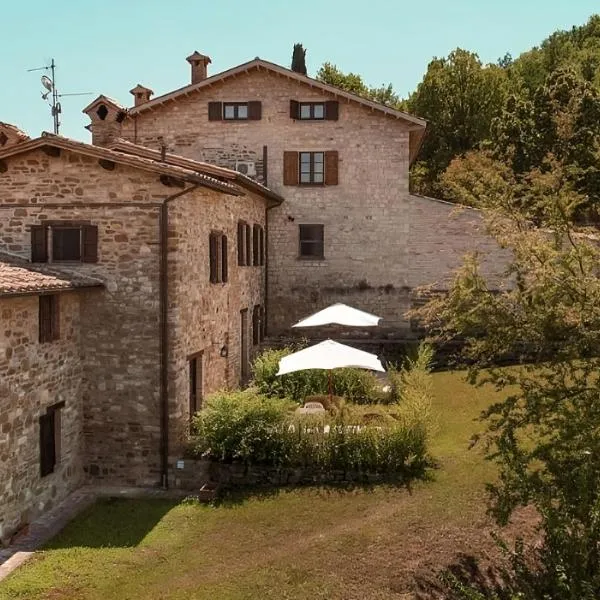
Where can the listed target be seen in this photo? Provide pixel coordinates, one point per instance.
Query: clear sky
(108, 46)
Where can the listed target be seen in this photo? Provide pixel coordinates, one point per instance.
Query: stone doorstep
(46, 526)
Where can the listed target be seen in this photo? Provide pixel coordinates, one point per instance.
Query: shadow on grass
(230, 497)
(112, 523)
(465, 572)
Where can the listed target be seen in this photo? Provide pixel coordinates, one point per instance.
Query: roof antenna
(49, 84)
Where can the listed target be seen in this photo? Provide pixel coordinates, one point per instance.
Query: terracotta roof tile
(19, 277)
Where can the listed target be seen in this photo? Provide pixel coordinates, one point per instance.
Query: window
(50, 435)
(195, 366)
(241, 243)
(49, 318)
(312, 110)
(64, 242)
(235, 111)
(261, 261)
(256, 325)
(311, 241)
(312, 167)
(218, 257)
(248, 240)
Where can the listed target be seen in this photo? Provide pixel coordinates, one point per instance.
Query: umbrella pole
(330, 387)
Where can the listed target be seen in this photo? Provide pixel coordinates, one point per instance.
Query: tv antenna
(51, 94)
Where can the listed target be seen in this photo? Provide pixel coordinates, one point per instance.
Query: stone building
(349, 230)
(177, 312)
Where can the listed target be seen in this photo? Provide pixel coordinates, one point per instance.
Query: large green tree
(460, 97)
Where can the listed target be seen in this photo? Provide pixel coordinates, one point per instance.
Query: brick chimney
(106, 116)
(199, 64)
(141, 94)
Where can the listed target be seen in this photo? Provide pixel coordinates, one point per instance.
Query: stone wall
(205, 317)
(119, 326)
(33, 377)
(380, 242)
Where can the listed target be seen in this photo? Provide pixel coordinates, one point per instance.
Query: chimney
(199, 64)
(141, 94)
(106, 118)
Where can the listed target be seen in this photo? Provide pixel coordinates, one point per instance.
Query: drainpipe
(164, 333)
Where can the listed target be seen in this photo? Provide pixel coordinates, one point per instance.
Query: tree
(353, 83)
(545, 436)
(299, 59)
(460, 97)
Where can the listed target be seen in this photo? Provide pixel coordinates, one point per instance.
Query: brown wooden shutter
(255, 246)
(90, 244)
(213, 249)
(44, 319)
(248, 241)
(55, 316)
(47, 444)
(332, 110)
(225, 268)
(240, 244)
(39, 243)
(215, 111)
(290, 168)
(254, 110)
(262, 247)
(294, 109)
(331, 167)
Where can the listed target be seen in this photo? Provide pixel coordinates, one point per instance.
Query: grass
(309, 543)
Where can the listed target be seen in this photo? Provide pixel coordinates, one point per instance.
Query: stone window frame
(317, 241)
(48, 318)
(50, 445)
(196, 391)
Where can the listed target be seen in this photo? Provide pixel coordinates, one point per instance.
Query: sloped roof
(145, 164)
(242, 180)
(259, 64)
(14, 129)
(21, 278)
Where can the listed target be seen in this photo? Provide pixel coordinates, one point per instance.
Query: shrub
(241, 426)
(356, 385)
(250, 428)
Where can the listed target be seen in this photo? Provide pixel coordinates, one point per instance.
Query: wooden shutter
(55, 316)
(255, 246)
(294, 109)
(215, 111)
(332, 110)
(262, 247)
(331, 167)
(90, 244)
(240, 244)
(224, 266)
(254, 110)
(290, 168)
(45, 319)
(213, 249)
(47, 444)
(248, 241)
(39, 243)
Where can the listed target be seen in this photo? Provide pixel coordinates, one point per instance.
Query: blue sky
(108, 46)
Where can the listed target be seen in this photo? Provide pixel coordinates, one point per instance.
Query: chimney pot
(199, 63)
(141, 94)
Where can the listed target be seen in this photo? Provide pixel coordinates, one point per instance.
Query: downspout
(164, 333)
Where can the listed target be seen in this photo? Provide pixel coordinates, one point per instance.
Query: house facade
(349, 230)
(175, 312)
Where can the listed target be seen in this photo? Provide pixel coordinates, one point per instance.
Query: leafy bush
(356, 385)
(250, 428)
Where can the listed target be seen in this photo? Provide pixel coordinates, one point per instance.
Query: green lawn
(306, 543)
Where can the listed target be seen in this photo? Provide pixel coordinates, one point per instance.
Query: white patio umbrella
(329, 355)
(340, 314)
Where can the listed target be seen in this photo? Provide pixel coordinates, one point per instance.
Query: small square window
(229, 111)
(312, 111)
(305, 111)
(311, 241)
(312, 167)
(242, 111)
(235, 111)
(66, 244)
(319, 111)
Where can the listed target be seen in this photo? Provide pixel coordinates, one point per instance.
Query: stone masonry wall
(204, 317)
(379, 240)
(33, 377)
(119, 344)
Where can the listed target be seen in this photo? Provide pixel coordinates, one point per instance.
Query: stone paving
(48, 525)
